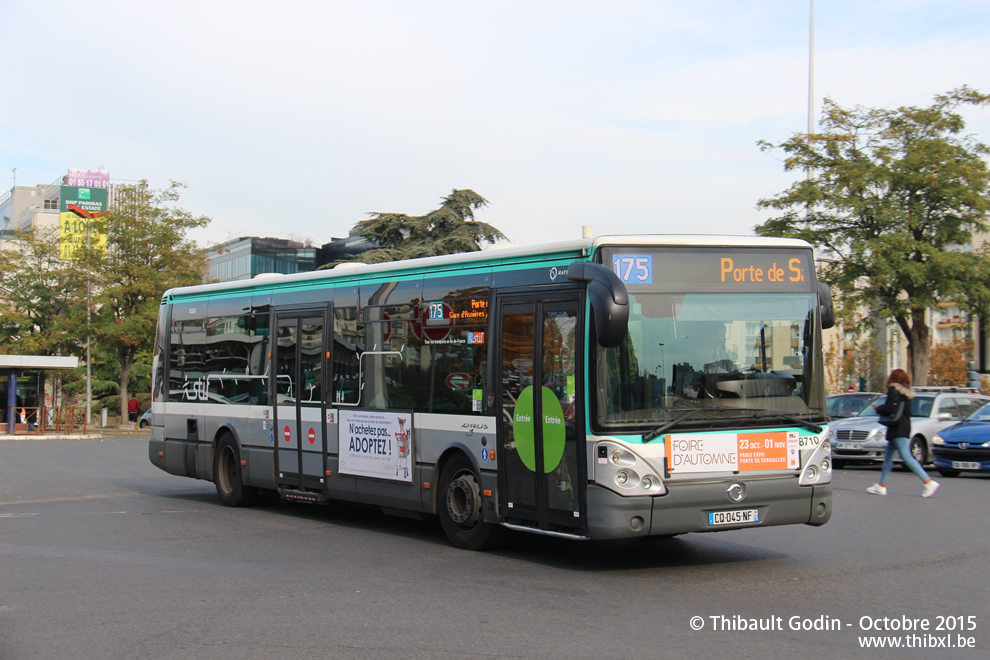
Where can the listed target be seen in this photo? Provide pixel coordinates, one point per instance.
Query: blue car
(964, 447)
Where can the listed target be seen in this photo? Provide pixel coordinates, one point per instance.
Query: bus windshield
(729, 359)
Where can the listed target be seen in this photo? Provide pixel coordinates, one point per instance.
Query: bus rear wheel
(460, 507)
(227, 474)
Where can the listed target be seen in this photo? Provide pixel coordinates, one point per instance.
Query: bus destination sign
(714, 269)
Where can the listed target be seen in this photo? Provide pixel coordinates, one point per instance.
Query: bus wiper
(811, 426)
(660, 430)
(758, 413)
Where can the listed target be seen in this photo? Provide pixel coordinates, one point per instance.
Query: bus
(601, 388)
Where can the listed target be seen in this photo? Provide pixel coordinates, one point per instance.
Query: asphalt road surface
(104, 556)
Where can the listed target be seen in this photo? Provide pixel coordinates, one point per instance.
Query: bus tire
(227, 474)
(460, 506)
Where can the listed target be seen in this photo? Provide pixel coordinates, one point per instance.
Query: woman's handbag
(892, 419)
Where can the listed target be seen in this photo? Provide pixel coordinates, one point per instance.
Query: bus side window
(455, 371)
(347, 344)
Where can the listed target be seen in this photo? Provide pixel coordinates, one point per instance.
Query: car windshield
(921, 406)
(846, 406)
(981, 414)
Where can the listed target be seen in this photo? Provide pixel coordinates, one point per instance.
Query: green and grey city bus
(609, 387)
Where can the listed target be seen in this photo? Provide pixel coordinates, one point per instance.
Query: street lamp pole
(89, 307)
(811, 73)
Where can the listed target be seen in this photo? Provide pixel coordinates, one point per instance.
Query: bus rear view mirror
(609, 301)
(825, 304)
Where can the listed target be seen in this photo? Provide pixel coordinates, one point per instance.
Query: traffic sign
(458, 381)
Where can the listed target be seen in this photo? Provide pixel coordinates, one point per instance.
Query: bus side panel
(432, 435)
(259, 470)
(181, 459)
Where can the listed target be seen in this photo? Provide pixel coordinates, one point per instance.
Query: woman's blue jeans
(900, 445)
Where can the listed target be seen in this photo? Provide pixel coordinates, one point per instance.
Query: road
(104, 556)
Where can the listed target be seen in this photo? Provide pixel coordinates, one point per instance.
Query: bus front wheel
(227, 474)
(460, 506)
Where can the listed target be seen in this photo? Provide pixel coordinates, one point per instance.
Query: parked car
(964, 447)
(145, 420)
(841, 406)
(863, 439)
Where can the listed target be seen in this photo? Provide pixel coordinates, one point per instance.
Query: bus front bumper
(686, 508)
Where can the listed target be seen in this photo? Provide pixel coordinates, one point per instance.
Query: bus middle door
(297, 368)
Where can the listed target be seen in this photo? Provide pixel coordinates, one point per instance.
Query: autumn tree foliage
(949, 362)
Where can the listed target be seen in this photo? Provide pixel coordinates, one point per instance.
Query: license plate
(964, 465)
(848, 445)
(733, 517)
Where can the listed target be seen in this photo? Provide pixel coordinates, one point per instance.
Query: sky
(296, 119)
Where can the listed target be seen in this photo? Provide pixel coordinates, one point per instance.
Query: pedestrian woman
(899, 394)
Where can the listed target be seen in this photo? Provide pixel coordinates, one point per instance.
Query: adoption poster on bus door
(377, 444)
(732, 452)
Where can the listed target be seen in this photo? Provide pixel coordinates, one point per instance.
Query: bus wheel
(460, 507)
(227, 474)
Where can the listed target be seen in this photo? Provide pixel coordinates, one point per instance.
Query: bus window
(187, 357)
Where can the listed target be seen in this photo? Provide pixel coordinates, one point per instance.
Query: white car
(862, 439)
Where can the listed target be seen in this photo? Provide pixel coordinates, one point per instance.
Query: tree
(147, 253)
(40, 293)
(450, 229)
(894, 197)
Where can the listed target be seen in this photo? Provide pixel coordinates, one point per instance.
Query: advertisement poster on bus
(732, 452)
(376, 444)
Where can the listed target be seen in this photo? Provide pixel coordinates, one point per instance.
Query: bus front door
(297, 368)
(541, 458)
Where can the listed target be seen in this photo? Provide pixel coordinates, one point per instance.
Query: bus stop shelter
(22, 388)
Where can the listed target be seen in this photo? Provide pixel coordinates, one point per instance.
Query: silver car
(863, 439)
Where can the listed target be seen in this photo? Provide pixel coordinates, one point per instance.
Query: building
(343, 249)
(247, 257)
(24, 208)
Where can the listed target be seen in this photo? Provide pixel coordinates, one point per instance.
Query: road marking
(17, 515)
(71, 499)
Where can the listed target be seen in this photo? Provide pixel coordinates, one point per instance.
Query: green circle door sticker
(552, 425)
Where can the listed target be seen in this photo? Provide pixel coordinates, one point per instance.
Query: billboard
(88, 179)
(78, 209)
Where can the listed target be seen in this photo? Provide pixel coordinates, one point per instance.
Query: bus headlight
(621, 470)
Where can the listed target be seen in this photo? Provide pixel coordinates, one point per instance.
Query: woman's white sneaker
(929, 489)
(877, 489)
